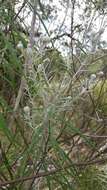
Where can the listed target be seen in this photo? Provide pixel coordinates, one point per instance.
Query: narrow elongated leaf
(4, 128)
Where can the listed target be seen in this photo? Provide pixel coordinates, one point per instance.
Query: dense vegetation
(53, 105)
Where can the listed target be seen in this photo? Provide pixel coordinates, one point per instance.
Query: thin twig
(52, 172)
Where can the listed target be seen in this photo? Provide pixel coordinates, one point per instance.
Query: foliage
(54, 137)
